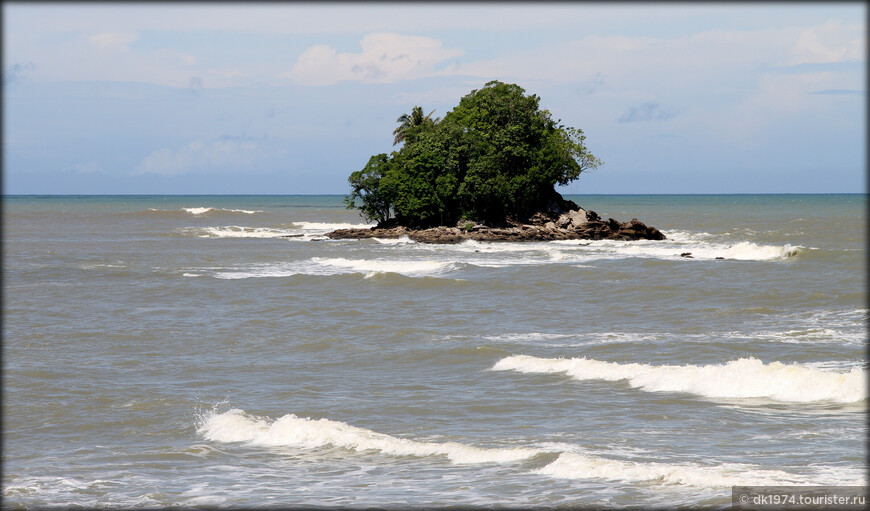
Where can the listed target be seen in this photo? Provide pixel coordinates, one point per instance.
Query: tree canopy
(496, 156)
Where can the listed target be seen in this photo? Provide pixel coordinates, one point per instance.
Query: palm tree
(413, 120)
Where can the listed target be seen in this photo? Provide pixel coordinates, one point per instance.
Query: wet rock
(556, 223)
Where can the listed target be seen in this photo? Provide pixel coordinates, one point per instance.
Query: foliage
(376, 202)
(409, 124)
(495, 156)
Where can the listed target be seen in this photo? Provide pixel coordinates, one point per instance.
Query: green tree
(376, 201)
(409, 123)
(495, 157)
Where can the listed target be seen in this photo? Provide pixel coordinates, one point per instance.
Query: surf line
(235, 426)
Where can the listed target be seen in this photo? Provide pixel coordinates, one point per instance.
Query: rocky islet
(562, 220)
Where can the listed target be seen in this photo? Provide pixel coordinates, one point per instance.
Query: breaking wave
(673, 249)
(572, 465)
(305, 231)
(743, 378)
(407, 268)
(340, 265)
(306, 433)
(293, 431)
(197, 211)
(402, 240)
(200, 211)
(499, 254)
(235, 231)
(326, 226)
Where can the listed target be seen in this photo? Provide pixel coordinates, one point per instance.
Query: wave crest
(236, 231)
(306, 433)
(571, 465)
(293, 431)
(326, 226)
(742, 378)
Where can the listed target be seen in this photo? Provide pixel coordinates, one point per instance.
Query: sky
(290, 98)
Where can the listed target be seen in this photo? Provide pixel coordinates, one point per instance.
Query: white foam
(325, 226)
(293, 431)
(528, 337)
(686, 236)
(197, 211)
(96, 266)
(743, 251)
(581, 251)
(746, 251)
(845, 332)
(503, 254)
(72, 492)
(340, 265)
(402, 240)
(305, 433)
(570, 465)
(816, 335)
(410, 268)
(203, 210)
(501, 246)
(235, 231)
(580, 339)
(743, 378)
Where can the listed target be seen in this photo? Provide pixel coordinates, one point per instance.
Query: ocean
(220, 351)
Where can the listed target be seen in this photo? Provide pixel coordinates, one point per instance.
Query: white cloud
(831, 42)
(227, 154)
(385, 58)
(112, 41)
(703, 61)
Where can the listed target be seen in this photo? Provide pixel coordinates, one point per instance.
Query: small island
(487, 171)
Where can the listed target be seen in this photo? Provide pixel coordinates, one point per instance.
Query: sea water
(221, 351)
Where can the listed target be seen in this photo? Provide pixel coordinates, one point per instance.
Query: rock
(555, 223)
(687, 255)
(578, 217)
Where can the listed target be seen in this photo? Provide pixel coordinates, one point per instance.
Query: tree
(376, 201)
(409, 122)
(495, 157)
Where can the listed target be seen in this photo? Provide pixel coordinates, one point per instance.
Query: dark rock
(556, 223)
(560, 220)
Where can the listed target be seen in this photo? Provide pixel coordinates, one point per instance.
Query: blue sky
(291, 98)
